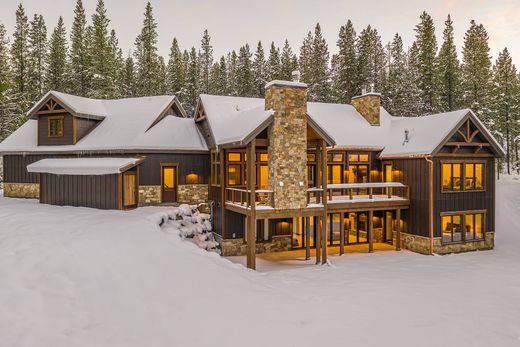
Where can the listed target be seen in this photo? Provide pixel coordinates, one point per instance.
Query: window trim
(62, 121)
(463, 214)
(463, 175)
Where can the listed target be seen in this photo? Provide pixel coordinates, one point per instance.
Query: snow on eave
(280, 83)
(84, 166)
(68, 105)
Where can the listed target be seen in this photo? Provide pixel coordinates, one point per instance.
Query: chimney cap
(290, 84)
(366, 94)
(296, 76)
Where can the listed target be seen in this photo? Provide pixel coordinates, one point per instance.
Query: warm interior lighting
(192, 178)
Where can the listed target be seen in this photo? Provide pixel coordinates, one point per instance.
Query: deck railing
(335, 193)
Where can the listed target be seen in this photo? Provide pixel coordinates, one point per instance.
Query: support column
(341, 233)
(307, 238)
(251, 218)
(319, 177)
(317, 242)
(398, 229)
(370, 232)
(324, 184)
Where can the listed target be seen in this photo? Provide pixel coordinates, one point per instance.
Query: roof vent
(296, 76)
(406, 136)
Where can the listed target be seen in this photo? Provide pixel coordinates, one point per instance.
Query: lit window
(453, 226)
(363, 157)
(353, 157)
(233, 156)
(451, 177)
(334, 173)
(337, 157)
(169, 178)
(55, 126)
(311, 157)
(473, 179)
(264, 156)
(234, 174)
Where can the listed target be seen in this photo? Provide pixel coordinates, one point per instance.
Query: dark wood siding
(205, 130)
(89, 191)
(150, 168)
(235, 224)
(15, 168)
(464, 201)
(84, 126)
(68, 133)
(214, 195)
(414, 173)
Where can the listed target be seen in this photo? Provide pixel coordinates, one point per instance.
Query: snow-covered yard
(82, 277)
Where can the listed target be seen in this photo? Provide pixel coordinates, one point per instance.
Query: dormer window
(55, 126)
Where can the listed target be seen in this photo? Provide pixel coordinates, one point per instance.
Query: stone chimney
(369, 106)
(288, 142)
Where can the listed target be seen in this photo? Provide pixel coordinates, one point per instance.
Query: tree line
(417, 80)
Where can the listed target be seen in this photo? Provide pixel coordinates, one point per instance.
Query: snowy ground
(82, 277)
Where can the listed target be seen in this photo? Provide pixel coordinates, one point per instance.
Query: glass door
(169, 184)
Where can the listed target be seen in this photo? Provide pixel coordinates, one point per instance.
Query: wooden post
(317, 241)
(319, 178)
(307, 238)
(324, 183)
(398, 229)
(370, 232)
(251, 218)
(341, 233)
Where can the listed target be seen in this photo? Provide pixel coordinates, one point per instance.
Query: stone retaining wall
(22, 190)
(149, 195)
(232, 247)
(421, 244)
(193, 193)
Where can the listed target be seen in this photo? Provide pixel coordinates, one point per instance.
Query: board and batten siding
(15, 168)
(96, 191)
(68, 131)
(198, 163)
(464, 201)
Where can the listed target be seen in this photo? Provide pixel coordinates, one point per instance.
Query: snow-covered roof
(83, 166)
(347, 127)
(126, 125)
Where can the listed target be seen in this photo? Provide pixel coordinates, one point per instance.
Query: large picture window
(55, 126)
(462, 176)
(460, 227)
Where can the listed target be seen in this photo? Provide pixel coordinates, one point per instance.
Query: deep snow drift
(83, 277)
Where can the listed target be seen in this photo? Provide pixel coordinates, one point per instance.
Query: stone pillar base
(149, 195)
(421, 244)
(22, 190)
(192, 193)
(232, 247)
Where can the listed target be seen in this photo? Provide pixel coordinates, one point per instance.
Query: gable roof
(130, 124)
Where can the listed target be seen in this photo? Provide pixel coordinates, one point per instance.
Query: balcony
(338, 197)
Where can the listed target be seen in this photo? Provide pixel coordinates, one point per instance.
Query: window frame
(462, 215)
(463, 164)
(61, 119)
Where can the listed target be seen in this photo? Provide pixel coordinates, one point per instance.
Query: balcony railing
(336, 193)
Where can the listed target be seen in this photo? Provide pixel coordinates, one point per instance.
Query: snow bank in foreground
(189, 223)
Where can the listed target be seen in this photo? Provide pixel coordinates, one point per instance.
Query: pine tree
(448, 71)
(504, 102)
(8, 108)
(80, 76)
(244, 72)
(127, 79)
(371, 61)
(427, 50)
(56, 77)
(104, 84)
(118, 63)
(287, 63)
(259, 71)
(273, 69)
(476, 70)
(305, 61)
(218, 80)
(192, 82)
(37, 58)
(320, 88)
(20, 60)
(175, 72)
(206, 61)
(412, 104)
(344, 81)
(160, 76)
(394, 94)
(231, 63)
(146, 57)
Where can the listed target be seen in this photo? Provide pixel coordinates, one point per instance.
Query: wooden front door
(129, 189)
(169, 183)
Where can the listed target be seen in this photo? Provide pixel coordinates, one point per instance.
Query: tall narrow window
(451, 177)
(473, 178)
(55, 126)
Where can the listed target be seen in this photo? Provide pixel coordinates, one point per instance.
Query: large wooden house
(281, 173)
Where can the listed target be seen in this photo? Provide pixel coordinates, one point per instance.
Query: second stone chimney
(288, 142)
(369, 106)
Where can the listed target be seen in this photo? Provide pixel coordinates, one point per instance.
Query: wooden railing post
(370, 193)
(370, 231)
(398, 230)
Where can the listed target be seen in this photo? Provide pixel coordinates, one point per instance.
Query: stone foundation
(22, 190)
(421, 244)
(149, 195)
(192, 193)
(232, 247)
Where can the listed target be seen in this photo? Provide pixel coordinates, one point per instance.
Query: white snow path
(83, 277)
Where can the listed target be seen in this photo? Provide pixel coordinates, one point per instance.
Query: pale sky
(233, 23)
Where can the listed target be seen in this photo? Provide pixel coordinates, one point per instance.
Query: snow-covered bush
(189, 223)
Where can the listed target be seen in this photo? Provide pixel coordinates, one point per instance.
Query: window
(169, 177)
(358, 157)
(234, 174)
(454, 178)
(55, 126)
(264, 157)
(311, 157)
(462, 227)
(234, 157)
(215, 168)
(335, 157)
(334, 173)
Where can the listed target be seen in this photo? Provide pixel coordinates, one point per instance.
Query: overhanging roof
(83, 166)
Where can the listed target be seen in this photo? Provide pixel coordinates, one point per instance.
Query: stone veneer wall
(149, 195)
(288, 144)
(192, 193)
(369, 106)
(22, 190)
(421, 244)
(232, 247)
